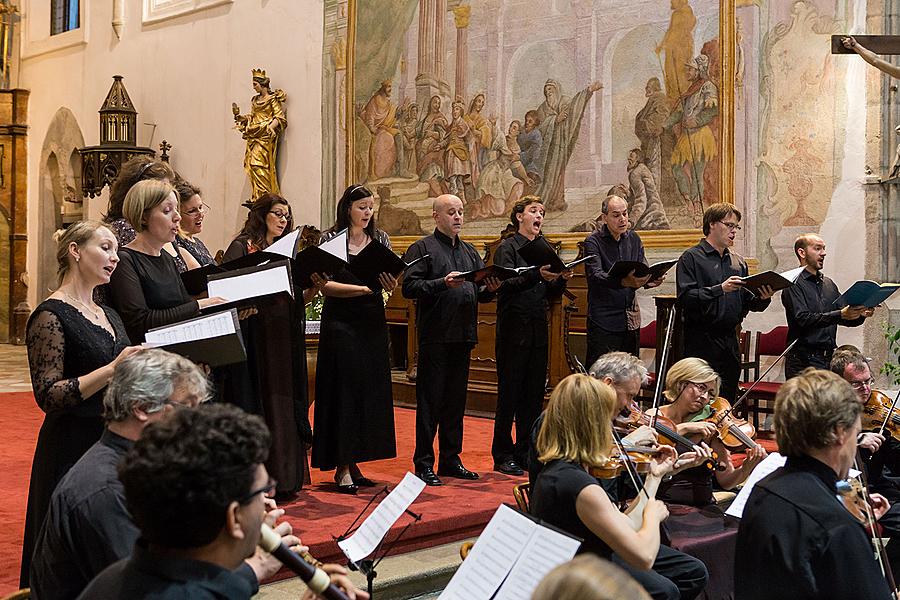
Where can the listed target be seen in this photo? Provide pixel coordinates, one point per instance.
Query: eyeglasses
(702, 388)
(858, 385)
(731, 226)
(202, 210)
(281, 216)
(267, 490)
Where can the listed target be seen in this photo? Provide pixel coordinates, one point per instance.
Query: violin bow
(873, 528)
(633, 475)
(889, 414)
(763, 376)
(661, 367)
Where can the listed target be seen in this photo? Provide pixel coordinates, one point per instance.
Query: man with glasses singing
(712, 296)
(812, 316)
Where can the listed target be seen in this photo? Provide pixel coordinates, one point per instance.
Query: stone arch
(59, 196)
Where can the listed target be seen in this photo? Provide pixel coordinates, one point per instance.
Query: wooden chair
(464, 549)
(762, 399)
(522, 494)
(648, 340)
(23, 594)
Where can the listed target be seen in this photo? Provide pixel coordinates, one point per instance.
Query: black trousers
(441, 382)
(601, 341)
(675, 575)
(521, 378)
(799, 358)
(720, 350)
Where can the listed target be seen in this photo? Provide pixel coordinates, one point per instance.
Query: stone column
(461, 15)
(430, 78)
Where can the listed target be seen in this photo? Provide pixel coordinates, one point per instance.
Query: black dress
(62, 346)
(354, 409)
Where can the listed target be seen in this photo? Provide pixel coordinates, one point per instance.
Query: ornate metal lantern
(118, 141)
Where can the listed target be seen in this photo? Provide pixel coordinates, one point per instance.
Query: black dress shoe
(427, 475)
(348, 488)
(363, 481)
(457, 471)
(509, 467)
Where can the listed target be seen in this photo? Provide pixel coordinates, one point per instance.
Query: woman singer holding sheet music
(73, 346)
(146, 288)
(354, 418)
(522, 341)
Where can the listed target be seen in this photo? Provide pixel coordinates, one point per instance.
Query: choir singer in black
(521, 342)
(446, 322)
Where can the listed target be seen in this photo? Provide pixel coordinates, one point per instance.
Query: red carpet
(455, 511)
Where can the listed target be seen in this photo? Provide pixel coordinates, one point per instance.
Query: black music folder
(501, 273)
(240, 286)
(195, 279)
(375, 259)
(214, 339)
(777, 281)
(538, 252)
(866, 293)
(621, 269)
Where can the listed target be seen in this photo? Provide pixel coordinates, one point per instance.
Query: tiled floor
(14, 375)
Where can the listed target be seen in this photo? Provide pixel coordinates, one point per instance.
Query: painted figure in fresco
(394, 220)
(678, 44)
(458, 158)
(649, 123)
(482, 136)
(695, 144)
(560, 122)
(430, 135)
(406, 145)
(503, 179)
(644, 206)
(380, 117)
(530, 143)
(592, 224)
(262, 128)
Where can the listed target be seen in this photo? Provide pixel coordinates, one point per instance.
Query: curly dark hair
(351, 195)
(255, 226)
(184, 472)
(185, 190)
(137, 169)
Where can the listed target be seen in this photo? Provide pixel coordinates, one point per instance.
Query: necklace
(97, 313)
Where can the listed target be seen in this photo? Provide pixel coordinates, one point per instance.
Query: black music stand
(367, 566)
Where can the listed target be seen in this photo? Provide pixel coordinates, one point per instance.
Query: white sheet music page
(285, 246)
(792, 274)
(251, 285)
(769, 464)
(545, 550)
(337, 246)
(214, 325)
(492, 557)
(364, 541)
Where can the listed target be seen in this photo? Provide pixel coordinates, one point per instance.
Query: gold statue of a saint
(262, 128)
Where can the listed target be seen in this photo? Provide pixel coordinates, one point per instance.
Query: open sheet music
(211, 339)
(769, 464)
(366, 539)
(511, 556)
(251, 282)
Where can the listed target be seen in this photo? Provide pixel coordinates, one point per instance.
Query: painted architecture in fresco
(495, 99)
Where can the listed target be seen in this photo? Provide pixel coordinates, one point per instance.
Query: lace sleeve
(46, 356)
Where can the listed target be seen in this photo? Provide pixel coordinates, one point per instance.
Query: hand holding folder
(375, 259)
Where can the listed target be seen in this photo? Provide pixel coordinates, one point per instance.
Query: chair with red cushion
(762, 399)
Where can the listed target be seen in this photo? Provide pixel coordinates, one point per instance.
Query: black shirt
(147, 292)
(811, 313)
(553, 500)
(443, 315)
(705, 307)
(87, 527)
(160, 577)
(610, 306)
(522, 300)
(797, 541)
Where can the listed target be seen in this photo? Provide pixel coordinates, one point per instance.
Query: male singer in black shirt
(446, 322)
(812, 316)
(796, 540)
(712, 296)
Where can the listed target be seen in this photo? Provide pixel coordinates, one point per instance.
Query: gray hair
(147, 380)
(620, 367)
(604, 206)
(847, 356)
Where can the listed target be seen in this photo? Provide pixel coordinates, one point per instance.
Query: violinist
(575, 436)
(795, 540)
(691, 386)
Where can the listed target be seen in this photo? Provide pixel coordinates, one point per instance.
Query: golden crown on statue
(259, 73)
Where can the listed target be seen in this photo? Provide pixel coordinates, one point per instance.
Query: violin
(878, 413)
(734, 433)
(637, 456)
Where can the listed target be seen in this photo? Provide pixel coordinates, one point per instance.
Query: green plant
(314, 308)
(891, 368)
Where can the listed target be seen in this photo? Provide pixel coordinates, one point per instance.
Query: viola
(664, 427)
(734, 433)
(876, 412)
